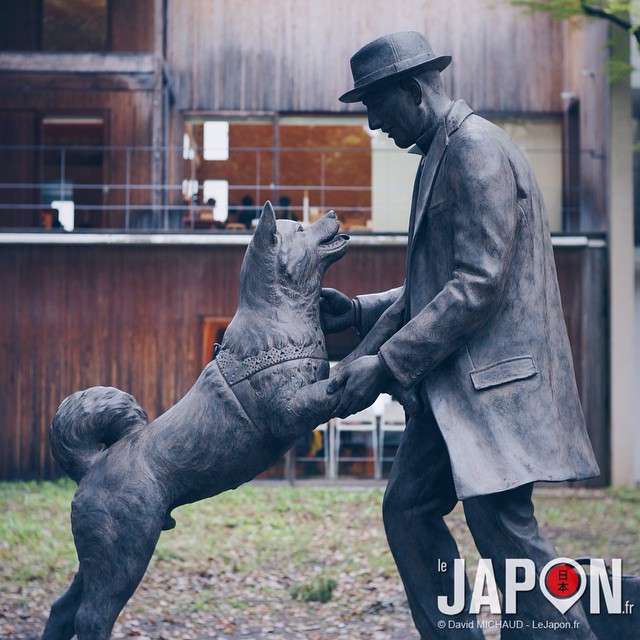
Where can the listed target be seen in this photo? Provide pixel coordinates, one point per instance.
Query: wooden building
(116, 123)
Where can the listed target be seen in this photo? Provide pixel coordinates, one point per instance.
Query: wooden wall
(246, 56)
(75, 316)
(293, 55)
(586, 64)
(583, 276)
(132, 316)
(249, 57)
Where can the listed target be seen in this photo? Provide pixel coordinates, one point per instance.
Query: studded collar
(235, 370)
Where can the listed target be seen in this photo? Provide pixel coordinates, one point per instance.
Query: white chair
(391, 421)
(361, 422)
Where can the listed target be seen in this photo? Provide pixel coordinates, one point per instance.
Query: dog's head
(288, 259)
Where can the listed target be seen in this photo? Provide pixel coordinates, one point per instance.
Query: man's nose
(374, 121)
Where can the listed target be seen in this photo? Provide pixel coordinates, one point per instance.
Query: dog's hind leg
(60, 625)
(111, 572)
(105, 595)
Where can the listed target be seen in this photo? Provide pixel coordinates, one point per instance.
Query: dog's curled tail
(87, 422)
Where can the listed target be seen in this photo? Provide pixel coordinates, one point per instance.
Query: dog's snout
(331, 214)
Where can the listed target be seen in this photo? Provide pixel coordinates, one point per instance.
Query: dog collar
(235, 370)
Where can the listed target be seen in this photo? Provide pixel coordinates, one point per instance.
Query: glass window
(325, 163)
(72, 166)
(215, 197)
(307, 165)
(74, 25)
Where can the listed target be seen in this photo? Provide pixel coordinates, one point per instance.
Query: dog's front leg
(312, 405)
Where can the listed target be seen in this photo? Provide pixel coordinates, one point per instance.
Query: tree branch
(601, 13)
(598, 12)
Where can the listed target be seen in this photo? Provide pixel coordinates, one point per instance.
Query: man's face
(394, 110)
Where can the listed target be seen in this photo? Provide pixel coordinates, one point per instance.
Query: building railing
(77, 187)
(108, 187)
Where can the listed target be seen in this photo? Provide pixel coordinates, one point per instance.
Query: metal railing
(126, 189)
(109, 187)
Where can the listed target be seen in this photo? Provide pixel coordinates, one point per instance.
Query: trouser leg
(419, 494)
(503, 526)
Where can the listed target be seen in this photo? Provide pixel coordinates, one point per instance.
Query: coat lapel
(421, 193)
(459, 112)
(432, 163)
(425, 178)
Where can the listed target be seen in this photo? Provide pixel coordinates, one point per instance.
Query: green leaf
(618, 69)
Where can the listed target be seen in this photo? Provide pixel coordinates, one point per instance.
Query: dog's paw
(169, 523)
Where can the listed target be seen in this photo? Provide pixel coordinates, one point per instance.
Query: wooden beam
(81, 82)
(39, 62)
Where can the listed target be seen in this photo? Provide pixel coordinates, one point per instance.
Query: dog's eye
(300, 228)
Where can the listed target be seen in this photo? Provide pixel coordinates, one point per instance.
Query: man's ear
(414, 88)
(265, 232)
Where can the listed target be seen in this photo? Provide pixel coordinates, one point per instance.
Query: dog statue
(264, 389)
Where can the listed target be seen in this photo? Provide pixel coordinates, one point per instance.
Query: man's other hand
(359, 383)
(337, 311)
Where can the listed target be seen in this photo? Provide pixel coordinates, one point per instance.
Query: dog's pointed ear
(266, 230)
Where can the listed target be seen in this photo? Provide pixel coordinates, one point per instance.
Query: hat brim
(439, 63)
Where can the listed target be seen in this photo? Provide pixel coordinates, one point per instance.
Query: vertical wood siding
(75, 316)
(586, 61)
(293, 55)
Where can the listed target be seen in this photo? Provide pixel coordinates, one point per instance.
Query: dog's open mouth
(334, 242)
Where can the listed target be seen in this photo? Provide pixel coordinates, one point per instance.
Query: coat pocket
(503, 372)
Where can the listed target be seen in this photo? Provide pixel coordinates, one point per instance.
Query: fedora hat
(390, 57)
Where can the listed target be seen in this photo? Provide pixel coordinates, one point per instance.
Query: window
(72, 168)
(307, 165)
(74, 25)
(323, 164)
(304, 165)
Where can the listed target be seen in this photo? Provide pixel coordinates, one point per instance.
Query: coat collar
(457, 114)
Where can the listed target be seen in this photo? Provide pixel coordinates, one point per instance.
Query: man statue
(474, 344)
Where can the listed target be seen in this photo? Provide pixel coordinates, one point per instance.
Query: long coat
(478, 328)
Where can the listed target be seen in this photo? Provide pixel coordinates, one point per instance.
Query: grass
(265, 544)
(35, 541)
(330, 527)
(280, 529)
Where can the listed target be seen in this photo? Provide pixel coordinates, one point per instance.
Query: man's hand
(360, 383)
(337, 311)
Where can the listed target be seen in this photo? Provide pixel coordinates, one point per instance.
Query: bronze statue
(265, 388)
(474, 341)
